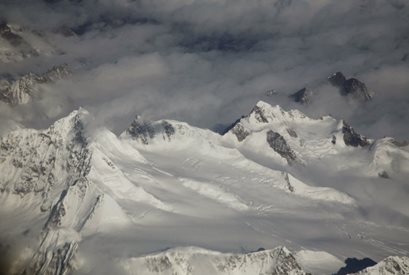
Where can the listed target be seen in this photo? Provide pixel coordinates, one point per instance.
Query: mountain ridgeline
(82, 189)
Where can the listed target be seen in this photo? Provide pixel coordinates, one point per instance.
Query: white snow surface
(196, 261)
(89, 202)
(390, 266)
(318, 262)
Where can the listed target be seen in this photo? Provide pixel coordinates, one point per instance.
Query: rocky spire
(350, 87)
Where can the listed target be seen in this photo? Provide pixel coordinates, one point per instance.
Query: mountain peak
(350, 87)
(352, 138)
(21, 90)
(302, 96)
(263, 104)
(144, 131)
(73, 122)
(267, 107)
(262, 115)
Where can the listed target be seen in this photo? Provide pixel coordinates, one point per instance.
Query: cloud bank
(208, 62)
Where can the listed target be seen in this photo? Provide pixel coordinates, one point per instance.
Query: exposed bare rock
(240, 132)
(302, 96)
(141, 130)
(357, 89)
(292, 132)
(259, 115)
(279, 144)
(144, 131)
(337, 79)
(352, 138)
(350, 87)
(168, 129)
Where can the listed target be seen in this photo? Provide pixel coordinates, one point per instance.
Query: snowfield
(81, 201)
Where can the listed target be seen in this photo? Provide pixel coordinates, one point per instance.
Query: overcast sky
(208, 62)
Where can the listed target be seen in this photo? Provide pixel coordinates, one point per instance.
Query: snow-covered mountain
(79, 198)
(389, 266)
(191, 260)
(22, 90)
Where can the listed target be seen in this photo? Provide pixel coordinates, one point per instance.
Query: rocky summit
(351, 87)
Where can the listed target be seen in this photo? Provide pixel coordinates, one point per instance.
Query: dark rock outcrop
(334, 140)
(350, 87)
(279, 144)
(357, 89)
(302, 96)
(141, 130)
(292, 132)
(144, 131)
(237, 129)
(259, 114)
(168, 129)
(240, 132)
(337, 79)
(352, 138)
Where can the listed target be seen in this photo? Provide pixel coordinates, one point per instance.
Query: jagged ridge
(278, 261)
(22, 90)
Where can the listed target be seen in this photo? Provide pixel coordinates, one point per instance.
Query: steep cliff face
(47, 170)
(351, 87)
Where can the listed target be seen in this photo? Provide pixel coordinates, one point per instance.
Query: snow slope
(318, 262)
(93, 202)
(196, 261)
(389, 266)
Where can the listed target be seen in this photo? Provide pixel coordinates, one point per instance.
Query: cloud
(208, 62)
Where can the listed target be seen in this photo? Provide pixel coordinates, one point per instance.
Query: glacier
(277, 193)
